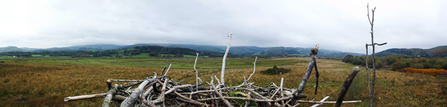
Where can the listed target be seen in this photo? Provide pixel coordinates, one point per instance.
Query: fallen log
(132, 99)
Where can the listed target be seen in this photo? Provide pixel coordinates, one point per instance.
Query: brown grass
(47, 85)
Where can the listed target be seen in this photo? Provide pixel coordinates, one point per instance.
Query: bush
(427, 65)
(358, 61)
(400, 65)
(434, 72)
(348, 58)
(275, 71)
(444, 66)
(378, 63)
(390, 60)
(417, 66)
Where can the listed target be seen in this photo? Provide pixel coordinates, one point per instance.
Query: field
(46, 81)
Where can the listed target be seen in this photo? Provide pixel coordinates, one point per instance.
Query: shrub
(275, 71)
(378, 63)
(444, 66)
(358, 61)
(348, 58)
(390, 60)
(434, 72)
(400, 65)
(427, 65)
(417, 66)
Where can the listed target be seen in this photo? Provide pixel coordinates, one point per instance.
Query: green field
(177, 63)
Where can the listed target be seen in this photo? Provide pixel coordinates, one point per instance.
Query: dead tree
(371, 88)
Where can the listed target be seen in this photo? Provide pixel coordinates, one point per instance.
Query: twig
(168, 69)
(163, 70)
(222, 75)
(346, 85)
(254, 69)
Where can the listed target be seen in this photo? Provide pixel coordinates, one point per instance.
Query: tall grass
(47, 84)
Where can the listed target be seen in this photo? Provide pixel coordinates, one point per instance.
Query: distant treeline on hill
(398, 63)
(153, 51)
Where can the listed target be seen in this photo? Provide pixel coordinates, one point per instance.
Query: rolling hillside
(439, 51)
(236, 50)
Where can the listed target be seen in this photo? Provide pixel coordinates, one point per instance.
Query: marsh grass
(47, 82)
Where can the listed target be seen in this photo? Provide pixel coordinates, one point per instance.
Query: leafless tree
(371, 23)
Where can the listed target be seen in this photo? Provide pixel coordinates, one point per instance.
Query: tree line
(398, 63)
(154, 51)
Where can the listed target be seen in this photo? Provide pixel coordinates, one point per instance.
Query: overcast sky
(334, 24)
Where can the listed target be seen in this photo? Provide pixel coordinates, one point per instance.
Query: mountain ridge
(239, 50)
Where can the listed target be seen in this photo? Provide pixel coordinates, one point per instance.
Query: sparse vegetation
(45, 82)
(275, 71)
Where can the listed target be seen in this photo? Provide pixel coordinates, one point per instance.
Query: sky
(333, 24)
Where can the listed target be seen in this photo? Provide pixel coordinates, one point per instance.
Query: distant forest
(154, 51)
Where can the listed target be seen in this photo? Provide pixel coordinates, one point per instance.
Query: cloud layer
(337, 25)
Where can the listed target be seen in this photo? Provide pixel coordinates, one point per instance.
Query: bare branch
(254, 69)
(319, 104)
(222, 75)
(197, 72)
(168, 69)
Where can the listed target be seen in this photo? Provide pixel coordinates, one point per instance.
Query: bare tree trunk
(371, 22)
(346, 85)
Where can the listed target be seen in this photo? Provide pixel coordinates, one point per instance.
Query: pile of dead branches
(163, 91)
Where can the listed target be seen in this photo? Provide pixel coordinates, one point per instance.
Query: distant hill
(9, 49)
(439, 51)
(414, 52)
(96, 47)
(279, 51)
(235, 50)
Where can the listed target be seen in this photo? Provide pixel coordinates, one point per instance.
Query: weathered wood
(319, 104)
(346, 85)
(109, 96)
(197, 72)
(298, 94)
(254, 70)
(82, 97)
(118, 80)
(222, 73)
(132, 99)
(317, 74)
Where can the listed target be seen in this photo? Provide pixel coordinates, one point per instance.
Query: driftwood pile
(163, 91)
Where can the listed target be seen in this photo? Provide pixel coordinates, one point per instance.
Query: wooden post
(299, 91)
(346, 85)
